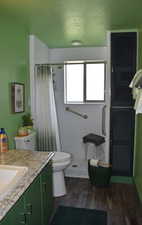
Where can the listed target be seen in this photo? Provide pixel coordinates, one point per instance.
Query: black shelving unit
(122, 119)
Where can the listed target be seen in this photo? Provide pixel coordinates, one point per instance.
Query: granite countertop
(34, 161)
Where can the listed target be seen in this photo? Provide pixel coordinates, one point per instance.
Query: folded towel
(94, 162)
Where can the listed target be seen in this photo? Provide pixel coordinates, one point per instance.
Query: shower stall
(78, 120)
(72, 127)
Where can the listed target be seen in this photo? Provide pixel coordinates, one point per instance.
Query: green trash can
(99, 176)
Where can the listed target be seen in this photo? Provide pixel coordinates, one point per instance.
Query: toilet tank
(26, 143)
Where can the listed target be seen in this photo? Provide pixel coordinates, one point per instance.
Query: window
(84, 82)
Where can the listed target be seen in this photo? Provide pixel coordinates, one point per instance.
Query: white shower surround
(73, 127)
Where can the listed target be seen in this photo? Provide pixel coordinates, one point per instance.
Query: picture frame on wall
(17, 97)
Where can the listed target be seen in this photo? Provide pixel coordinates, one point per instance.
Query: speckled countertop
(34, 161)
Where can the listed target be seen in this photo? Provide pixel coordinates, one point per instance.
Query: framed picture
(18, 97)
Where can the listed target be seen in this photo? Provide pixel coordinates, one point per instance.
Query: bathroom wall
(138, 155)
(73, 127)
(13, 68)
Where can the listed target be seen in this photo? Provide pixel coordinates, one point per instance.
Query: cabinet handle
(24, 218)
(29, 209)
(44, 186)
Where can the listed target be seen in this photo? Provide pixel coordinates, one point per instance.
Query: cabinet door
(32, 198)
(122, 141)
(5, 221)
(16, 215)
(46, 193)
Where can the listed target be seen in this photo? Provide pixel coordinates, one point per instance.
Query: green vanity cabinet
(32, 203)
(35, 207)
(16, 215)
(46, 194)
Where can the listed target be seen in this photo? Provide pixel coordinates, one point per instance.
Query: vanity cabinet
(35, 207)
(47, 199)
(32, 203)
(16, 215)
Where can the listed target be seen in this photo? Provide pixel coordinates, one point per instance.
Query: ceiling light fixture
(76, 43)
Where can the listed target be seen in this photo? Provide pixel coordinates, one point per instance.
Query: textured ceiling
(58, 22)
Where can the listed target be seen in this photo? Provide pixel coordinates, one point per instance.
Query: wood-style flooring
(119, 200)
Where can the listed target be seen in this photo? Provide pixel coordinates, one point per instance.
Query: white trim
(32, 63)
(84, 101)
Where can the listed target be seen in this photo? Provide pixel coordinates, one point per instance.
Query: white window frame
(85, 101)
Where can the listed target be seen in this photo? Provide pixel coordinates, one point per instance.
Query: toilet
(61, 160)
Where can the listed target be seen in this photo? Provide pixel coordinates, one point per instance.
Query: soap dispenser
(3, 141)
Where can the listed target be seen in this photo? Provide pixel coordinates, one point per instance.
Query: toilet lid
(61, 157)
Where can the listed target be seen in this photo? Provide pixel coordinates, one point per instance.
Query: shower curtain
(46, 123)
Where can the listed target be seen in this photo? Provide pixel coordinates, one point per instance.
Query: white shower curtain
(45, 110)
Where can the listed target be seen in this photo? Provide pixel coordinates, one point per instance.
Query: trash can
(99, 175)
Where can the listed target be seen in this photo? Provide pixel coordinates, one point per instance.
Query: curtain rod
(71, 62)
(50, 64)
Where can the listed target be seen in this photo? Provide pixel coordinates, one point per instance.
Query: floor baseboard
(123, 180)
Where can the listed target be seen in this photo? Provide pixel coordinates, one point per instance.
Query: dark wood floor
(119, 200)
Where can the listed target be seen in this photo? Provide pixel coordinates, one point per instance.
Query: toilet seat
(61, 157)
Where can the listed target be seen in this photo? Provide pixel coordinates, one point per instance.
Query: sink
(9, 176)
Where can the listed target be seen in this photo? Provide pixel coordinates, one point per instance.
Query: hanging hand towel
(135, 92)
(135, 83)
(138, 102)
(137, 77)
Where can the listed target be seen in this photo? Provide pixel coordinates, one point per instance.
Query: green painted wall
(13, 68)
(138, 136)
(138, 155)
